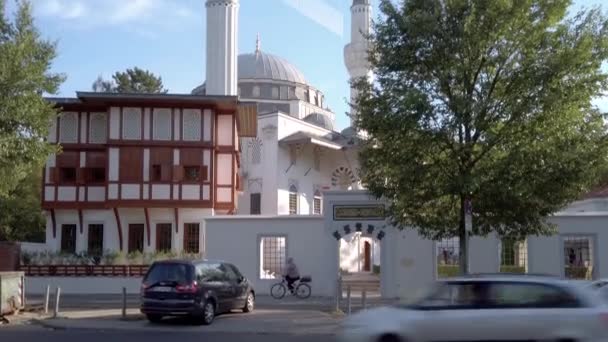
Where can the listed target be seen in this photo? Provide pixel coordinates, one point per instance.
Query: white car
(488, 308)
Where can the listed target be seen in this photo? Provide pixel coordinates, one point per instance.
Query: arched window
(343, 178)
(316, 203)
(255, 150)
(293, 200)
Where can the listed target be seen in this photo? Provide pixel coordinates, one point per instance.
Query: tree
(487, 102)
(25, 61)
(21, 217)
(134, 80)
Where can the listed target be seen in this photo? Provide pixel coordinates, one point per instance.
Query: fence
(84, 270)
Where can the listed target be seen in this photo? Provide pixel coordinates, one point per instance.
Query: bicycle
(301, 288)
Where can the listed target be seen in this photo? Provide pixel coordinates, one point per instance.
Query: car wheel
(154, 318)
(249, 303)
(390, 338)
(208, 313)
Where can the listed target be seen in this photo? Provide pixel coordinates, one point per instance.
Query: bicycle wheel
(278, 290)
(303, 291)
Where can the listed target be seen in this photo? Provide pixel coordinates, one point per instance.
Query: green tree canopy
(134, 80)
(25, 61)
(21, 217)
(488, 101)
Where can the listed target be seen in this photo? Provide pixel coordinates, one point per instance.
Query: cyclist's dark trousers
(290, 282)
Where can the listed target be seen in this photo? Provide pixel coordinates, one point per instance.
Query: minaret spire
(257, 44)
(222, 46)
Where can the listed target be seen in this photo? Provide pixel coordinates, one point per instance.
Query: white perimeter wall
(237, 240)
(82, 285)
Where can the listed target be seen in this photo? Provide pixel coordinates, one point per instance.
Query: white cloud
(157, 14)
(321, 13)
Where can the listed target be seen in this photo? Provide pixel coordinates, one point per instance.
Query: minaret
(222, 46)
(355, 53)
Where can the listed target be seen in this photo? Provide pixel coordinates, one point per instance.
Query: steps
(361, 281)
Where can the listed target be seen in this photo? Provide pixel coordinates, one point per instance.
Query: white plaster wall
(307, 242)
(114, 122)
(114, 160)
(112, 191)
(484, 256)
(161, 191)
(66, 193)
(82, 285)
(207, 125)
(49, 193)
(33, 247)
(130, 191)
(191, 192)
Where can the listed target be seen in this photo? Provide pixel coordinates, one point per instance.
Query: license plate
(162, 289)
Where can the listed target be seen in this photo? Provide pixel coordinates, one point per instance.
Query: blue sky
(167, 37)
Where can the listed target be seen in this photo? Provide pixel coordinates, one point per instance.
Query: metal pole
(124, 302)
(340, 285)
(46, 300)
(57, 295)
(364, 299)
(338, 294)
(348, 303)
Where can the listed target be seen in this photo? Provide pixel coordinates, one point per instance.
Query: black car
(199, 289)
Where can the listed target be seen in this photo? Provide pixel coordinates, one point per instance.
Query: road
(39, 334)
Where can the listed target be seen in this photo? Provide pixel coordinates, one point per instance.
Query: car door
(216, 280)
(233, 280)
(241, 286)
(458, 312)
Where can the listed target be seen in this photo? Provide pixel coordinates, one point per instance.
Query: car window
(531, 295)
(232, 276)
(235, 270)
(456, 295)
(210, 272)
(169, 272)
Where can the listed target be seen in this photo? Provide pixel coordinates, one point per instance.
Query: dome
(349, 132)
(260, 65)
(320, 120)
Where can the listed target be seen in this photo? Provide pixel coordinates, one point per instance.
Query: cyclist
(291, 273)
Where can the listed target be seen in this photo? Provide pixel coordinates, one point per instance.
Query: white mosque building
(297, 153)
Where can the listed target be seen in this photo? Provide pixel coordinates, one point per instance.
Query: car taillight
(143, 288)
(604, 318)
(189, 288)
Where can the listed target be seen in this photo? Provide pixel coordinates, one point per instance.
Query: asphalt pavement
(39, 334)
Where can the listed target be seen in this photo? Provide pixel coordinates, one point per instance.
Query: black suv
(194, 288)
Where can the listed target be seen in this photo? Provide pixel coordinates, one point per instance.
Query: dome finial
(257, 44)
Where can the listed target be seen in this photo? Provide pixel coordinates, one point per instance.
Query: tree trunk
(463, 239)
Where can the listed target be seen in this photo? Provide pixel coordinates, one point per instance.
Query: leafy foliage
(21, 217)
(483, 100)
(25, 61)
(134, 80)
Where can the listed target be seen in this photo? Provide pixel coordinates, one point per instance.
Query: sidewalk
(261, 321)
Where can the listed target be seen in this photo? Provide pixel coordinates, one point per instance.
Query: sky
(167, 37)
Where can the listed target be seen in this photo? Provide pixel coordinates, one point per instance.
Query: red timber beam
(147, 214)
(54, 222)
(176, 213)
(80, 220)
(119, 227)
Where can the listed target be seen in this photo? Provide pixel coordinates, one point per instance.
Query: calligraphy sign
(359, 212)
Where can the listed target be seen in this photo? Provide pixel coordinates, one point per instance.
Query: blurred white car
(488, 308)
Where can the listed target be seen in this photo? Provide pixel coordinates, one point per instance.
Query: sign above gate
(373, 212)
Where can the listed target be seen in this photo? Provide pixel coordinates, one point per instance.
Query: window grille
(68, 238)
(163, 237)
(293, 200)
(256, 204)
(448, 254)
(95, 245)
(68, 128)
(513, 256)
(191, 238)
(98, 128)
(161, 124)
(192, 125)
(317, 203)
(136, 238)
(255, 148)
(131, 123)
(578, 257)
(273, 256)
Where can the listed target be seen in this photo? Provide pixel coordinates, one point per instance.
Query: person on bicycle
(291, 273)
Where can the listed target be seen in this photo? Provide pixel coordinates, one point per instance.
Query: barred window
(293, 200)
(163, 237)
(98, 128)
(448, 254)
(161, 127)
(513, 256)
(273, 255)
(68, 238)
(578, 255)
(95, 245)
(136, 238)
(191, 238)
(256, 204)
(316, 203)
(255, 150)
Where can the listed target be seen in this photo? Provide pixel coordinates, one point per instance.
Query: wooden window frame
(259, 206)
(133, 246)
(161, 242)
(94, 239)
(68, 246)
(191, 239)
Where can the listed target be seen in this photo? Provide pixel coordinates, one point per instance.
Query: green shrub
(512, 269)
(447, 271)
